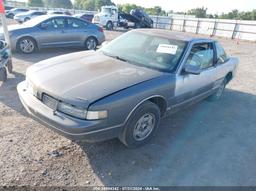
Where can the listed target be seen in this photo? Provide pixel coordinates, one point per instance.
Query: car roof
(53, 16)
(173, 35)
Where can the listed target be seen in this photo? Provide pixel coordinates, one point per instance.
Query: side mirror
(43, 26)
(191, 69)
(105, 43)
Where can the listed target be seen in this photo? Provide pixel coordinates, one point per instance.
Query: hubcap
(91, 44)
(109, 26)
(144, 126)
(27, 46)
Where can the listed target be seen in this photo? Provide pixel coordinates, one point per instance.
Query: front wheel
(91, 43)
(141, 126)
(26, 45)
(217, 95)
(3, 74)
(109, 25)
(10, 66)
(26, 19)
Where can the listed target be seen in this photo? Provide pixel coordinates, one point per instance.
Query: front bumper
(19, 20)
(70, 127)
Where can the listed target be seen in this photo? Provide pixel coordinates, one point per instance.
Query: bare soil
(206, 144)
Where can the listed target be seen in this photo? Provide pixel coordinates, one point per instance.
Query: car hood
(84, 77)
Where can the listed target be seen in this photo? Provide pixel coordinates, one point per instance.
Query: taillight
(100, 29)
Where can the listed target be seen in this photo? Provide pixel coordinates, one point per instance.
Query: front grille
(50, 102)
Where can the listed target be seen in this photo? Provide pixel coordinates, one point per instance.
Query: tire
(26, 19)
(26, 45)
(3, 74)
(109, 25)
(137, 25)
(10, 66)
(132, 136)
(217, 95)
(11, 15)
(91, 43)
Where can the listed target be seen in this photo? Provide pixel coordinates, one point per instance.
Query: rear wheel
(11, 15)
(217, 95)
(26, 19)
(91, 43)
(3, 74)
(137, 25)
(10, 66)
(141, 125)
(26, 45)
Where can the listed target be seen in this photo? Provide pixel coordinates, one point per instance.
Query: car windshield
(106, 10)
(146, 50)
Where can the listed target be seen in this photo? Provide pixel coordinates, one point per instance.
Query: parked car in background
(7, 7)
(54, 31)
(11, 13)
(23, 17)
(59, 13)
(85, 16)
(144, 21)
(123, 89)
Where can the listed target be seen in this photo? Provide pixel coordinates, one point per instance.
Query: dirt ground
(206, 144)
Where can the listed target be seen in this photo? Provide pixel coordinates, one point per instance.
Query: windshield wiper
(116, 57)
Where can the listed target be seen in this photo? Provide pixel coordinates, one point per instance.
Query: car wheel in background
(10, 66)
(26, 45)
(26, 19)
(137, 25)
(91, 43)
(11, 15)
(217, 95)
(109, 25)
(3, 74)
(141, 125)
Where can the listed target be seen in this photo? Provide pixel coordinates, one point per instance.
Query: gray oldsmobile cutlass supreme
(123, 89)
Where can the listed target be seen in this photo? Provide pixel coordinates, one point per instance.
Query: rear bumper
(101, 38)
(72, 128)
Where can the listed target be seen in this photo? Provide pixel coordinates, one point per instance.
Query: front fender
(121, 104)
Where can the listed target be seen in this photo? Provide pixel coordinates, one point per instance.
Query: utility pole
(4, 23)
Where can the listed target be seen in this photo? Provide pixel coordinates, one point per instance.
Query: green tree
(128, 7)
(91, 4)
(35, 3)
(58, 4)
(198, 12)
(100, 3)
(155, 11)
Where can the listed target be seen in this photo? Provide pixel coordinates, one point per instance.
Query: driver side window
(201, 55)
(57, 23)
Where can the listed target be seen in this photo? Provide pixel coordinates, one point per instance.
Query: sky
(214, 6)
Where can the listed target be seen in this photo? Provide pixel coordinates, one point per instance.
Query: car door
(51, 33)
(76, 31)
(221, 61)
(191, 87)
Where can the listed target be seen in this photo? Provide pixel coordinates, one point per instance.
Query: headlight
(80, 112)
(93, 115)
(72, 110)
(31, 87)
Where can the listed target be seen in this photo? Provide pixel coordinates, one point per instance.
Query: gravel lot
(206, 144)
